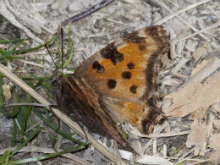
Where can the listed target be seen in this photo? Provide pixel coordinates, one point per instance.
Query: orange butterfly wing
(118, 84)
(126, 71)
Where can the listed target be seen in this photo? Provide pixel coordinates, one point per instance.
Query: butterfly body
(117, 84)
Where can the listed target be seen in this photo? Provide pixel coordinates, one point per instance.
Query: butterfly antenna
(46, 46)
(62, 53)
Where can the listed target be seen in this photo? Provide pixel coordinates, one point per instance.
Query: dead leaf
(214, 143)
(198, 137)
(216, 124)
(215, 108)
(194, 97)
(198, 114)
(200, 66)
(200, 51)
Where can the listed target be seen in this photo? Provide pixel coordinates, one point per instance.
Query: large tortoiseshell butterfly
(117, 84)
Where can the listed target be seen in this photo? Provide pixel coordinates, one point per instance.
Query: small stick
(87, 12)
(62, 48)
(46, 46)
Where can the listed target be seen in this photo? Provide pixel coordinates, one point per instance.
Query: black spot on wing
(133, 89)
(99, 68)
(126, 75)
(130, 65)
(110, 52)
(112, 83)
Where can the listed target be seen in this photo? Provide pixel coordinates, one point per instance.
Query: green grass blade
(13, 41)
(1, 95)
(56, 129)
(14, 47)
(26, 141)
(26, 115)
(33, 77)
(5, 157)
(25, 50)
(70, 55)
(14, 133)
(48, 156)
(59, 56)
(11, 112)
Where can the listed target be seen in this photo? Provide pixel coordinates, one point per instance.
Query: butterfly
(117, 84)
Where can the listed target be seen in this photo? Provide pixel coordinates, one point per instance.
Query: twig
(42, 66)
(197, 161)
(206, 71)
(163, 135)
(198, 32)
(87, 12)
(180, 11)
(27, 104)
